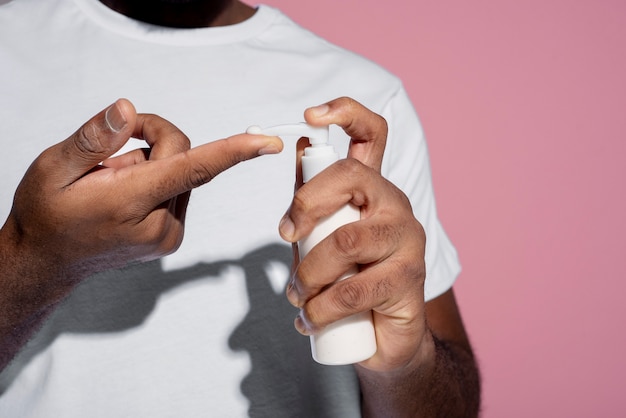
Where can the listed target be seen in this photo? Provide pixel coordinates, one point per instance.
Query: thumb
(99, 138)
(367, 130)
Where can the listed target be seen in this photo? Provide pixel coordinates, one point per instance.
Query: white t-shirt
(206, 331)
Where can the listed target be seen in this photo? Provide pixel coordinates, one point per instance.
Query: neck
(183, 13)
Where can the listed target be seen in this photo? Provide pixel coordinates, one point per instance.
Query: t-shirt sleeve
(406, 164)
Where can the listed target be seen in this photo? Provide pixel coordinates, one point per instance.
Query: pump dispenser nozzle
(318, 135)
(316, 157)
(352, 339)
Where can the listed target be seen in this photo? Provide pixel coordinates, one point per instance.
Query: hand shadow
(283, 379)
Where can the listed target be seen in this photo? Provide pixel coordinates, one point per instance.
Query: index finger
(367, 130)
(162, 179)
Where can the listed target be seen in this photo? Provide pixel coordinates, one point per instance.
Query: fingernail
(287, 228)
(269, 149)
(320, 110)
(114, 118)
(292, 293)
(301, 325)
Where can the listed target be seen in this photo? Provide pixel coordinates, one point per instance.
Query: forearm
(444, 383)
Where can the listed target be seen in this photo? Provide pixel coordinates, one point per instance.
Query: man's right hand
(78, 211)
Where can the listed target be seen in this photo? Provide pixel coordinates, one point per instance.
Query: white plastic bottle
(351, 339)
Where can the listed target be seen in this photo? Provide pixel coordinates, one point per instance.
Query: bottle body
(352, 339)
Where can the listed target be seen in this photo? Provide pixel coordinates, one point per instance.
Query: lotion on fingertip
(352, 339)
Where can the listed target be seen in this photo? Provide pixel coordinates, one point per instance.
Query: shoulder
(337, 68)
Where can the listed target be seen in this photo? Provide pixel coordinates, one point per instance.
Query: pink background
(524, 104)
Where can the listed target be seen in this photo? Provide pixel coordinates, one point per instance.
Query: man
(118, 330)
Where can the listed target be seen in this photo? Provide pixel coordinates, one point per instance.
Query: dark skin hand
(77, 211)
(424, 364)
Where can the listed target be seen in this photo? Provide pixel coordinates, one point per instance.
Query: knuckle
(312, 318)
(170, 245)
(38, 168)
(419, 232)
(88, 142)
(414, 271)
(232, 153)
(351, 296)
(162, 239)
(180, 141)
(403, 198)
(383, 125)
(416, 231)
(302, 278)
(408, 269)
(349, 103)
(301, 200)
(343, 103)
(199, 175)
(351, 167)
(346, 240)
(155, 235)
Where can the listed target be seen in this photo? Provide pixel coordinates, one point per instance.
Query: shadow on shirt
(283, 382)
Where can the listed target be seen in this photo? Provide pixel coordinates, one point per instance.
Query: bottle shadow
(283, 380)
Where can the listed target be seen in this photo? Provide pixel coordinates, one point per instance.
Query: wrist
(32, 281)
(422, 359)
(399, 391)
